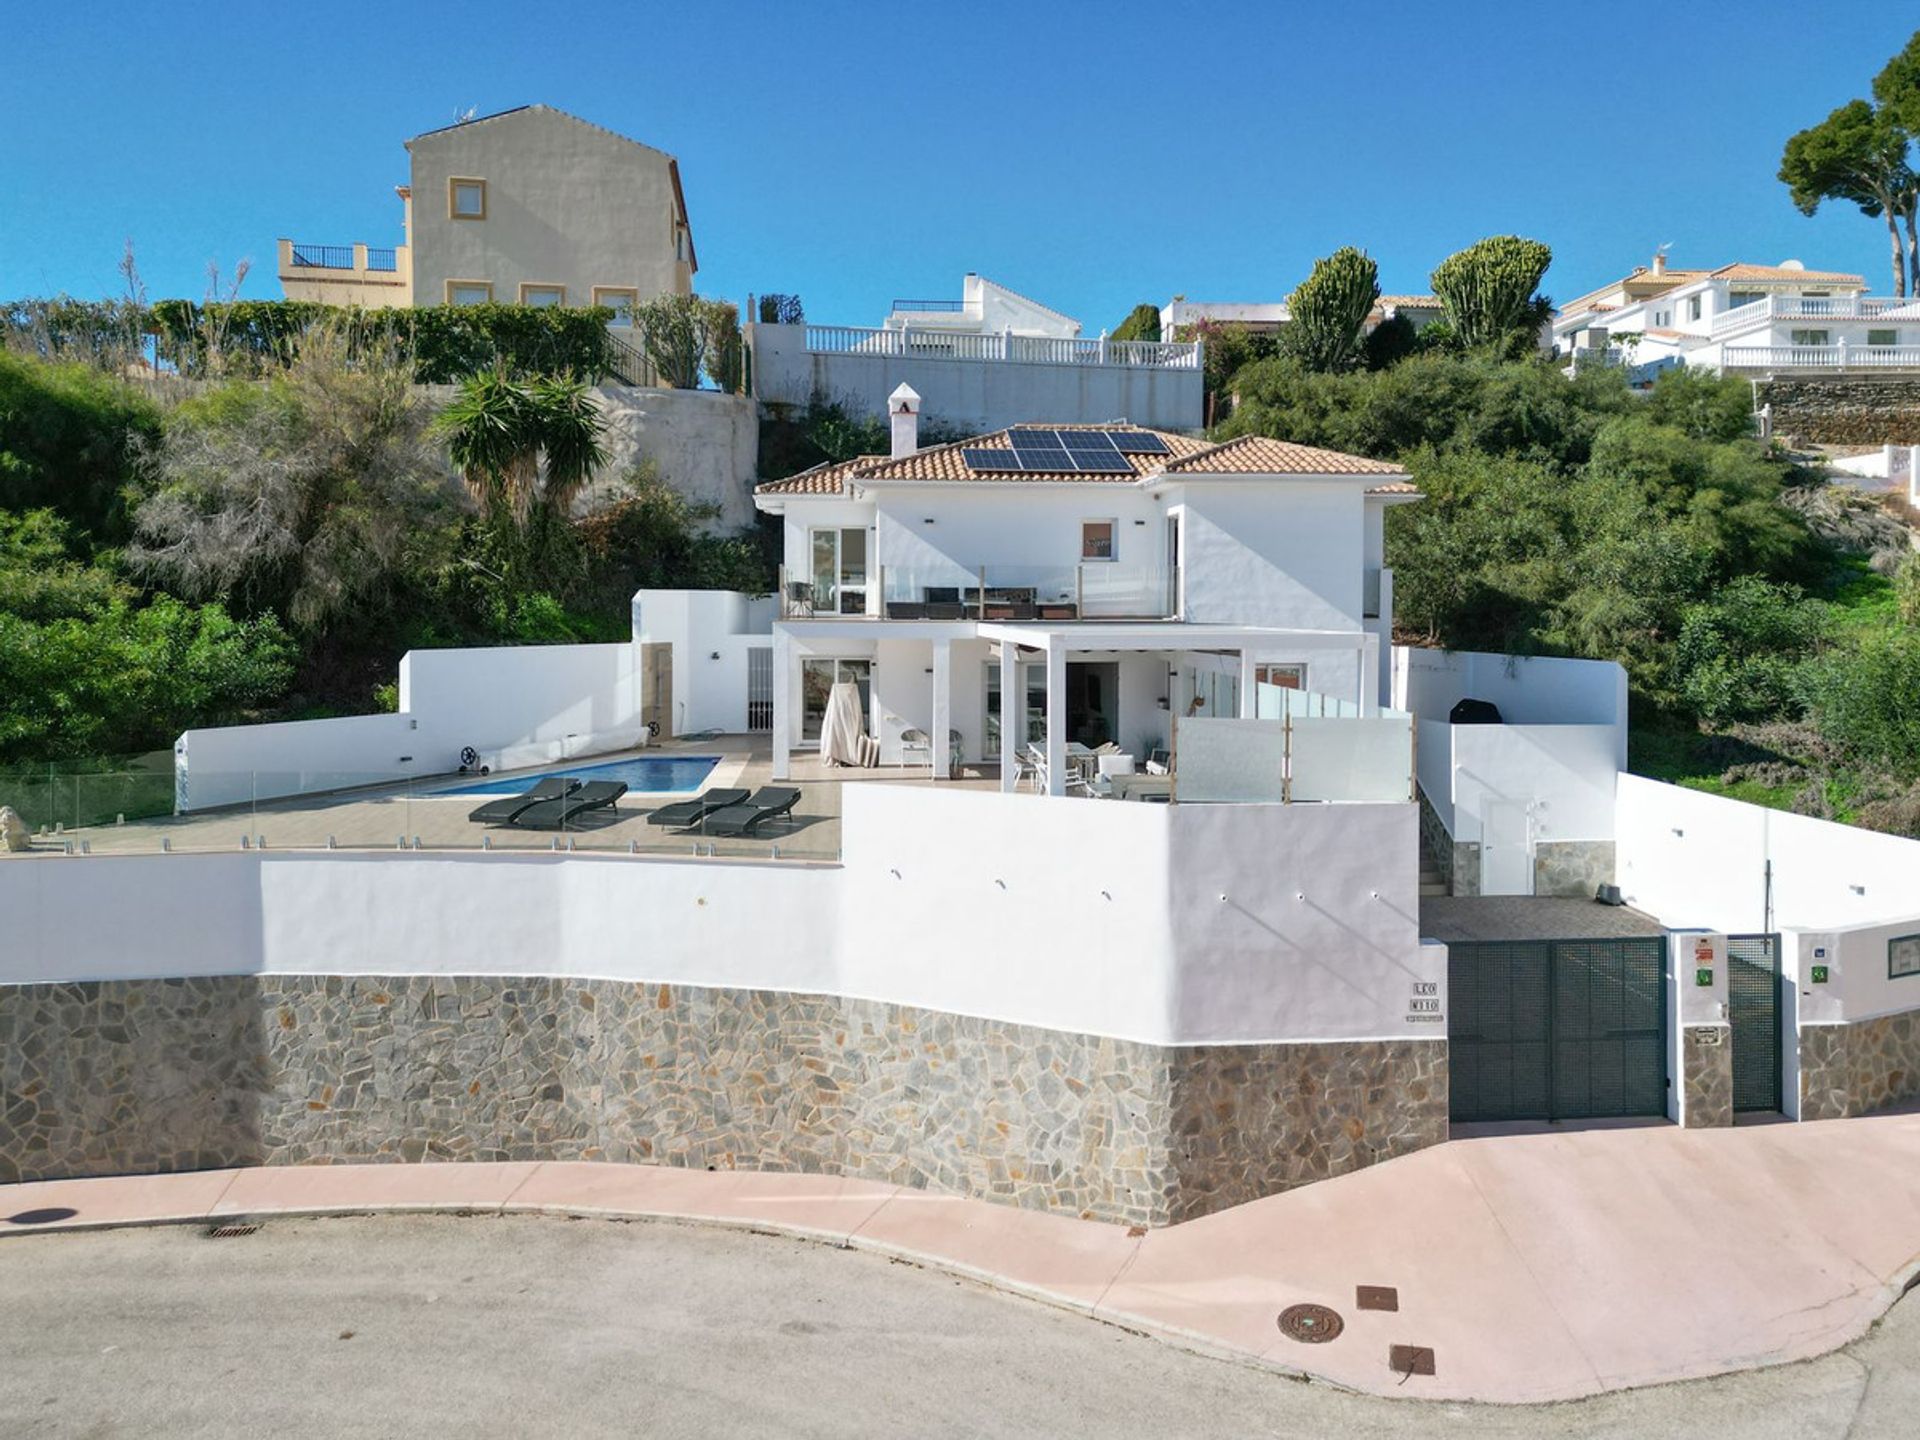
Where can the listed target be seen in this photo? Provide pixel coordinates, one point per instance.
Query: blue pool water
(650, 773)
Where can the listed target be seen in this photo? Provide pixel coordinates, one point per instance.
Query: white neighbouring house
(1268, 317)
(1740, 318)
(1109, 578)
(991, 358)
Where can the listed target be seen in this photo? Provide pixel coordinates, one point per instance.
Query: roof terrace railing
(1821, 357)
(1802, 307)
(929, 307)
(387, 259)
(324, 257)
(910, 343)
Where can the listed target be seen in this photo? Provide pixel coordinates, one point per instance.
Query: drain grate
(230, 1232)
(1410, 1359)
(1311, 1324)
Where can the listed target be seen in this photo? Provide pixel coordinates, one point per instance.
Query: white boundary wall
(1698, 861)
(518, 704)
(1530, 690)
(1164, 924)
(1563, 773)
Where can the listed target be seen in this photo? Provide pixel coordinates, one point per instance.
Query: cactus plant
(1328, 309)
(1487, 288)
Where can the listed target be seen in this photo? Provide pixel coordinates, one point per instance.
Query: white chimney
(1660, 262)
(903, 409)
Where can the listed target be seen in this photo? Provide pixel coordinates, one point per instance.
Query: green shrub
(1328, 309)
(1863, 699)
(70, 440)
(1739, 653)
(1142, 323)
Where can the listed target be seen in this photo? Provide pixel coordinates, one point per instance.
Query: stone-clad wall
(153, 1075)
(1851, 1069)
(1252, 1120)
(1706, 1058)
(1846, 410)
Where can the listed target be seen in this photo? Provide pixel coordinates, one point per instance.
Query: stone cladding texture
(155, 1075)
(1706, 1059)
(1845, 410)
(1572, 869)
(1851, 1069)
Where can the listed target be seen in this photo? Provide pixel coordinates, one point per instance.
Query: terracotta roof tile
(1395, 487)
(824, 479)
(1185, 455)
(1257, 455)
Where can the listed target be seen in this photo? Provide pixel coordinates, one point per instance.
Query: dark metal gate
(1557, 1029)
(1753, 1009)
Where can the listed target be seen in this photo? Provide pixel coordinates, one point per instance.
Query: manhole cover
(1311, 1324)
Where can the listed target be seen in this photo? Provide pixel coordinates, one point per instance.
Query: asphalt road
(530, 1326)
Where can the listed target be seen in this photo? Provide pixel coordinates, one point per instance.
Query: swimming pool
(648, 774)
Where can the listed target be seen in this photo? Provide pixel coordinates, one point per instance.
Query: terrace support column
(1249, 701)
(1368, 660)
(942, 752)
(1056, 720)
(782, 701)
(1013, 716)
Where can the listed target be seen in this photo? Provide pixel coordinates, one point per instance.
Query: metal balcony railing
(382, 259)
(930, 307)
(324, 257)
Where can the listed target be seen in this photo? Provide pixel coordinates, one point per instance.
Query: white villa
(1266, 317)
(1740, 318)
(985, 307)
(1113, 578)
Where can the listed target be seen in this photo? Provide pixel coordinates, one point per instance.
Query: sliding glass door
(840, 571)
(818, 676)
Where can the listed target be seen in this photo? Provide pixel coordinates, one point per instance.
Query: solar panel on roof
(1086, 462)
(1098, 441)
(1026, 436)
(1138, 442)
(994, 460)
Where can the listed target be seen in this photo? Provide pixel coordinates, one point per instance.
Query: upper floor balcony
(1093, 590)
(1760, 313)
(911, 342)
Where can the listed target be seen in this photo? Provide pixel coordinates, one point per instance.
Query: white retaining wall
(975, 395)
(1169, 925)
(1565, 773)
(517, 704)
(1536, 690)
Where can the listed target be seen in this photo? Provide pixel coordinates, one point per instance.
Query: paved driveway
(535, 1326)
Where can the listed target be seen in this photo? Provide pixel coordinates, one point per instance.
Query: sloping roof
(1185, 455)
(1258, 455)
(1650, 284)
(1410, 302)
(825, 479)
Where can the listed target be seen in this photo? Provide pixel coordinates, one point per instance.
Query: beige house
(530, 206)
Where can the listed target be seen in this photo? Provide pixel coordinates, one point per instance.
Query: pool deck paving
(1537, 1263)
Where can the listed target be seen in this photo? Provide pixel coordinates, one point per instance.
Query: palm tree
(525, 449)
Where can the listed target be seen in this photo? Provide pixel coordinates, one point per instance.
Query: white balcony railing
(945, 590)
(1018, 349)
(1820, 357)
(1801, 307)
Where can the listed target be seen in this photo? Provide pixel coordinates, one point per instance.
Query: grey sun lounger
(509, 808)
(552, 814)
(684, 813)
(768, 802)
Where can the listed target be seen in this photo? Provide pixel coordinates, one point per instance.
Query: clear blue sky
(1091, 155)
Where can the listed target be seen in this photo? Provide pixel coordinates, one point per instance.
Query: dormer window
(466, 199)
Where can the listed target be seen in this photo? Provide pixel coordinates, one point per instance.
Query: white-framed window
(1812, 337)
(1693, 307)
(466, 198)
(469, 292)
(1099, 539)
(620, 299)
(1287, 677)
(543, 297)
